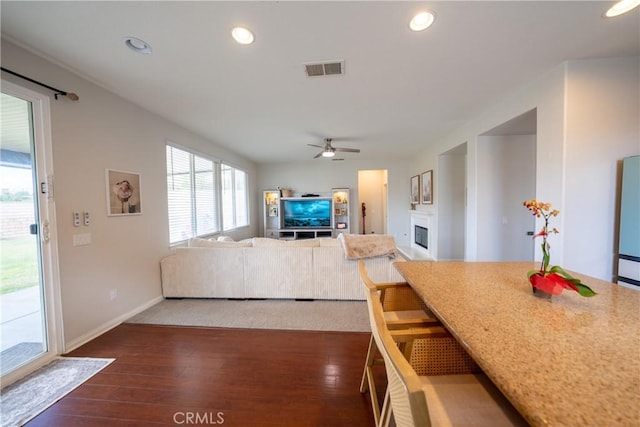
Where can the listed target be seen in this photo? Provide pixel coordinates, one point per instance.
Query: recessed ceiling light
(242, 35)
(623, 6)
(422, 21)
(137, 45)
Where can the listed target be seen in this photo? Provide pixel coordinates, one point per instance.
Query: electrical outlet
(86, 218)
(76, 219)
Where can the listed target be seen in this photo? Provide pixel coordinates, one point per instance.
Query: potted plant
(551, 280)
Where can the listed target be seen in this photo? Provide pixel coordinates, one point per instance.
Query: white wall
(102, 131)
(506, 178)
(320, 175)
(603, 126)
(451, 204)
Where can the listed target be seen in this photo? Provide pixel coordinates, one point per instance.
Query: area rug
(343, 316)
(26, 398)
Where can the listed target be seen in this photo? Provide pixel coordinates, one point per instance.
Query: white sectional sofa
(269, 268)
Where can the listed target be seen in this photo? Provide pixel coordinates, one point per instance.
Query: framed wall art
(415, 190)
(426, 192)
(123, 193)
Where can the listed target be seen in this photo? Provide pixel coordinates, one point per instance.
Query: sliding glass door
(27, 328)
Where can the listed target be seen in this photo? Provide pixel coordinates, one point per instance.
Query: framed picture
(273, 210)
(123, 193)
(415, 189)
(427, 188)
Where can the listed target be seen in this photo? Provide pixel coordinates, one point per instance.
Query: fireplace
(424, 236)
(421, 236)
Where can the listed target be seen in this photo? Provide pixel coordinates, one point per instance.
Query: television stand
(306, 233)
(274, 209)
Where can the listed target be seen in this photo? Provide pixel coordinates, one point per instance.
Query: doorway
(372, 193)
(29, 334)
(506, 177)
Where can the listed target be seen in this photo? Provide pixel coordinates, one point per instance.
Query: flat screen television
(306, 212)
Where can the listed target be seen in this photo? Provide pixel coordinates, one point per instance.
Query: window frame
(234, 197)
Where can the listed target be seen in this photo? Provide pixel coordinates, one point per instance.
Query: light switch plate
(86, 218)
(81, 239)
(76, 219)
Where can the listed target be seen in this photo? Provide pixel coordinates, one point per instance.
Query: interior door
(28, 259)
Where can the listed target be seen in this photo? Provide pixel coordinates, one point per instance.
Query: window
(192, 195)
(235, 209)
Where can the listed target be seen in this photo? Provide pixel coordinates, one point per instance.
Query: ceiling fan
(328, 150)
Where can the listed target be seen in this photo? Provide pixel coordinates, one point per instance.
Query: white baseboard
(70, 346)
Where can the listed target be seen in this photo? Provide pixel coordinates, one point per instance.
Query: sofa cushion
(264, 242)
(203, 273)
(204, 243)
(225, 239)
(279, 272)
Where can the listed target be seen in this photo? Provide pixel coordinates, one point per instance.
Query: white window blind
(191, 190)
(241, 198)
(235, 212)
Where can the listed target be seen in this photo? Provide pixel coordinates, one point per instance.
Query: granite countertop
(567, 361)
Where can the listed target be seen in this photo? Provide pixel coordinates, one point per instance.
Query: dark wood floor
(235, 377)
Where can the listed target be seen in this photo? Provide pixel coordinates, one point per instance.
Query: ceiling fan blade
(318, 155)
(315, 145)
(347, 150)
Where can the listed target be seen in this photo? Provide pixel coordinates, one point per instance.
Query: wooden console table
(568, 361)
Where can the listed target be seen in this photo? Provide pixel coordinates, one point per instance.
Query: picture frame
(123, 193)
(273, 210)
(426, 190)
(414, 188)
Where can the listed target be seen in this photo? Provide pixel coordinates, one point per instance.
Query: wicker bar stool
(403, 310)
(435, 399)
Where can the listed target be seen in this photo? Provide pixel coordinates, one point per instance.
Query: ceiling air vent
(324, 69)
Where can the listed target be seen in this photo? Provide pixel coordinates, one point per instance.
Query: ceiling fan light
(328, 154)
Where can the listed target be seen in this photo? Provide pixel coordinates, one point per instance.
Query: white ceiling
(401, 90)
